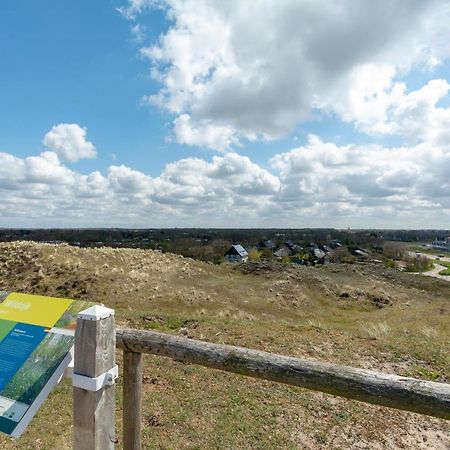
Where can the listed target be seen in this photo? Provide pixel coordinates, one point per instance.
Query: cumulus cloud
(317, 184)
(396, 179)
(203, 133)
(42, 189)
(256, 71)
(68, 141)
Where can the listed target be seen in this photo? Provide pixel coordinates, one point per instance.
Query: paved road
(434, 272)
(444, 258)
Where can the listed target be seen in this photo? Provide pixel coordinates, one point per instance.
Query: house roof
(318, 253)
(237, 250)
(267, 244)
(283, 251)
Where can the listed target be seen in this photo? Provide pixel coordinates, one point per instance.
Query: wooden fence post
(132, 400)
(94, 367)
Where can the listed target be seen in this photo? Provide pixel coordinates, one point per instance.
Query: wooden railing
(409, 394)
(96, 340)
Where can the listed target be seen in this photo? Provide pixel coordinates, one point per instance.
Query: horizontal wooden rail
(409, 394)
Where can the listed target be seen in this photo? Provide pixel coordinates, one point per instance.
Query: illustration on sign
(36, 340)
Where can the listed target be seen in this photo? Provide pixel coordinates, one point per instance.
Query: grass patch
(447, 270)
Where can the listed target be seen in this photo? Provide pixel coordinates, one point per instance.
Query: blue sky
(171, 113)
(76, 62)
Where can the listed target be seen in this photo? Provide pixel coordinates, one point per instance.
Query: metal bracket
(97, 383)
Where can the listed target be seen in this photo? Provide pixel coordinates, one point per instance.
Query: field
(447, 270)
(362, 315)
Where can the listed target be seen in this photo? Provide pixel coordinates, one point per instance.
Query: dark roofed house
(335, 244)
(236, 253)
(266, 244)
(292, 247)
(325, 248)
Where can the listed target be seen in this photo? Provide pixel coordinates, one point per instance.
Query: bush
(418, 264)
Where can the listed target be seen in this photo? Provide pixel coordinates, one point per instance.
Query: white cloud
(128, 181)
(138, 33)
(418, 117)
(40, 189)
(317, 184)
(68, 141)
(364, 178)
(258, 71)
(135, 7)
(203, 134)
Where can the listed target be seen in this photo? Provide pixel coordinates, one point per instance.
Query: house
(360, 253)
(282, 252)
(266, 244)
(236, 253)
(294, 248)
(325, 248)
(335, 244)
(316, 253)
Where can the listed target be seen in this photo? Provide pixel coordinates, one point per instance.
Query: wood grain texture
(94, 412)
(132, 400)
(409, 394)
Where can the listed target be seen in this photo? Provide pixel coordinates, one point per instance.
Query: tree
(340, 254)
(266, 253)
(394, 250)
(254, 255)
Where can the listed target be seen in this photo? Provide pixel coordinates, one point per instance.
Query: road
(444, 258)
(434, 272)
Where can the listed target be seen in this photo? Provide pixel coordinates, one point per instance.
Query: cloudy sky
(293, 113)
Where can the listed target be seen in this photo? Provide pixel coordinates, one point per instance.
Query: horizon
(165, 114)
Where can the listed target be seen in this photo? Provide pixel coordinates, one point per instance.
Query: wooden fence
(94, 411)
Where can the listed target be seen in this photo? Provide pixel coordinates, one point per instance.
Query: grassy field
(361, 315)
(447, 270)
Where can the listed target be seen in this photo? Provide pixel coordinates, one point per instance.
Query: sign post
(93, 379)
(36, 339)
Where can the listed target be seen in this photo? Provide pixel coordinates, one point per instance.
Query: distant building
(282, 252)
(266, 244)
(294, 248)
(236, 253)
(325, 248)
(318, 256)
(335, 244)
(443, 244)
(360, 253)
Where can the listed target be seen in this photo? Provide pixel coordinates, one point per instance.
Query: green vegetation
(418, 264)
(445, 271)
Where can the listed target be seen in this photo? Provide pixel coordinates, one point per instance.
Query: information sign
(36, 342)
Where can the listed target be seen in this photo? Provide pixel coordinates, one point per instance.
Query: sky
(205, 113)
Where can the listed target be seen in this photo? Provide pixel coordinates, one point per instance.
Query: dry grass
(385, 320)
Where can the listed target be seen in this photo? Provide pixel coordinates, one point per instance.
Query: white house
(237, 253)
